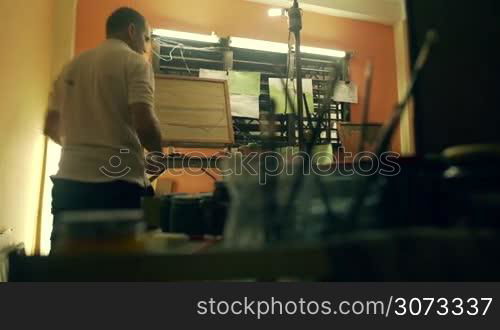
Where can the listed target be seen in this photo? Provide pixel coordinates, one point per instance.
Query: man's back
(93, 93)
(101, 112)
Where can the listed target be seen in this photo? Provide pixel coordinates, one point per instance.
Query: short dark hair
(121, 18)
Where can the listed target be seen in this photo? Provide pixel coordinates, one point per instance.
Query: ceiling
(380, 11)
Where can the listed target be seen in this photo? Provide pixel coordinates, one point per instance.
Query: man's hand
(51, 126)
(155, 163)
(147, 126)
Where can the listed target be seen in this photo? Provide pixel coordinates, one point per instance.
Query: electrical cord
(209, 174)
(170, 57)
(183, 59)
(176, 45)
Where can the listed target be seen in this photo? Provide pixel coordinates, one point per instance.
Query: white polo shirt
(92, 94)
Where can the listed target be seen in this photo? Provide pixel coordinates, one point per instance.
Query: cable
(164, 42)
(175, 45)
(170, 54)
(209, 174)
(185, 63)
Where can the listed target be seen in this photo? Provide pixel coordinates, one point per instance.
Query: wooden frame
(187, 108)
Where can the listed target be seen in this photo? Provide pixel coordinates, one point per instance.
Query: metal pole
(295, 21)
(300, 103)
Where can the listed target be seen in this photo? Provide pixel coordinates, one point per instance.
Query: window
(185, 54)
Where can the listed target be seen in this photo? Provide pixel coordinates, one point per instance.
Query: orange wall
(247, 19)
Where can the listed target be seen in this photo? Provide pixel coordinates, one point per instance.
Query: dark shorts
(70, 195)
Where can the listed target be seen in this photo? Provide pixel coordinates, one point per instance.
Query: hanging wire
(175, 45)
(184, 60)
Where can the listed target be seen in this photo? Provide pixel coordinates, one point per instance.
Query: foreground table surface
(398, 255)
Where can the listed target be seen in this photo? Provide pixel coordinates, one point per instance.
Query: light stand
(295, 26)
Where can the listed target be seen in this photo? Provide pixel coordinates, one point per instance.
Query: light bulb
(275, 12)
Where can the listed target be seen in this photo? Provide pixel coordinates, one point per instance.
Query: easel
(193, 113)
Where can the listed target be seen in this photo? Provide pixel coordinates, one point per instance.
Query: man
(101, 112)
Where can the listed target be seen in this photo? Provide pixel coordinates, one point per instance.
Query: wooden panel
(350, 136)
(193, 111)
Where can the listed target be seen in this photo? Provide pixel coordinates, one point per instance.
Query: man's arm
(141, 102)
(147, 126)
(51, 126)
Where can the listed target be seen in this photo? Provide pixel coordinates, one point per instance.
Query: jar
(100, 232)
(186, 215)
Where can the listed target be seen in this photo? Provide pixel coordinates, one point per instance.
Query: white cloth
(92, 94)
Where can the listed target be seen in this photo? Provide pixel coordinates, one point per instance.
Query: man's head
(131, 27)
